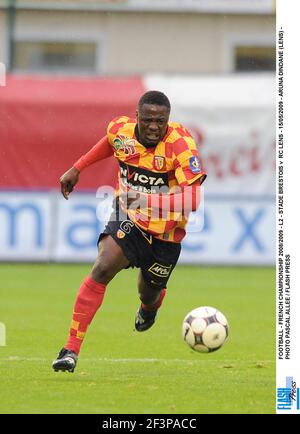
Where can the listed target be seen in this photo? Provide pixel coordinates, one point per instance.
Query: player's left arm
(187, 200)
(189, 175)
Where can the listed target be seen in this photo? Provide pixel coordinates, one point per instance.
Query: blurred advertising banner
(48, 123)
(232, 119)
(26, 226)
(42, 226)
(235, 232)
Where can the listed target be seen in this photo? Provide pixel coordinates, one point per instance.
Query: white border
(288, 21)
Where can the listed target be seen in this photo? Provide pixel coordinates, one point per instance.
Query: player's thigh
(110, 260)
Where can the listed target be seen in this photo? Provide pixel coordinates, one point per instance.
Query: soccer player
(158, 185)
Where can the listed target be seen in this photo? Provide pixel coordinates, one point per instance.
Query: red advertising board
(48, 123)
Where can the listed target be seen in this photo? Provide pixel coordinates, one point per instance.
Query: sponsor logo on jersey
(141, 179)
(160, 270)
(195, 165)
(159, 163)
(124, 144)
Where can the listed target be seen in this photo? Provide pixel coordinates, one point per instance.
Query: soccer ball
(205, 329)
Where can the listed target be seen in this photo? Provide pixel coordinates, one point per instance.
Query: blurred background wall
(109, 37)
(72, 66)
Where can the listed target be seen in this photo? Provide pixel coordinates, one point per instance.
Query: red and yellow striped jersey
(174, 161)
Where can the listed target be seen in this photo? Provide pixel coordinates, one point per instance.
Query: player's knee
(102, 271)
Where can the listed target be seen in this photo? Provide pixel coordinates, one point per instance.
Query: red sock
(88, 301)
(156, 305)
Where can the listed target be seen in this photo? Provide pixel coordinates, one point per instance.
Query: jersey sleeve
(101, 150)
(187, 163)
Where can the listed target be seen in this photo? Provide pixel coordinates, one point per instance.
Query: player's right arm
(68, 180)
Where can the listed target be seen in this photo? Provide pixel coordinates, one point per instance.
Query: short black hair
(154, 97)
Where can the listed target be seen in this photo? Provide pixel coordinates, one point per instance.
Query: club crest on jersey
(120, 234)
(159, 163)
(124, 144)
(195, 165)
(125, 228)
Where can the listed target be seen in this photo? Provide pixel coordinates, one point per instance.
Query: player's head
(152, 117)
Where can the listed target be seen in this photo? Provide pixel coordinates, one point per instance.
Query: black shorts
(154, 257)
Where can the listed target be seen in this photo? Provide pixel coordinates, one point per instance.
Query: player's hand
(68, 181)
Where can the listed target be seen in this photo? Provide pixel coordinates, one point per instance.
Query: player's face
(152, 121)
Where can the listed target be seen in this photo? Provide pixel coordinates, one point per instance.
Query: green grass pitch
(121, 371)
